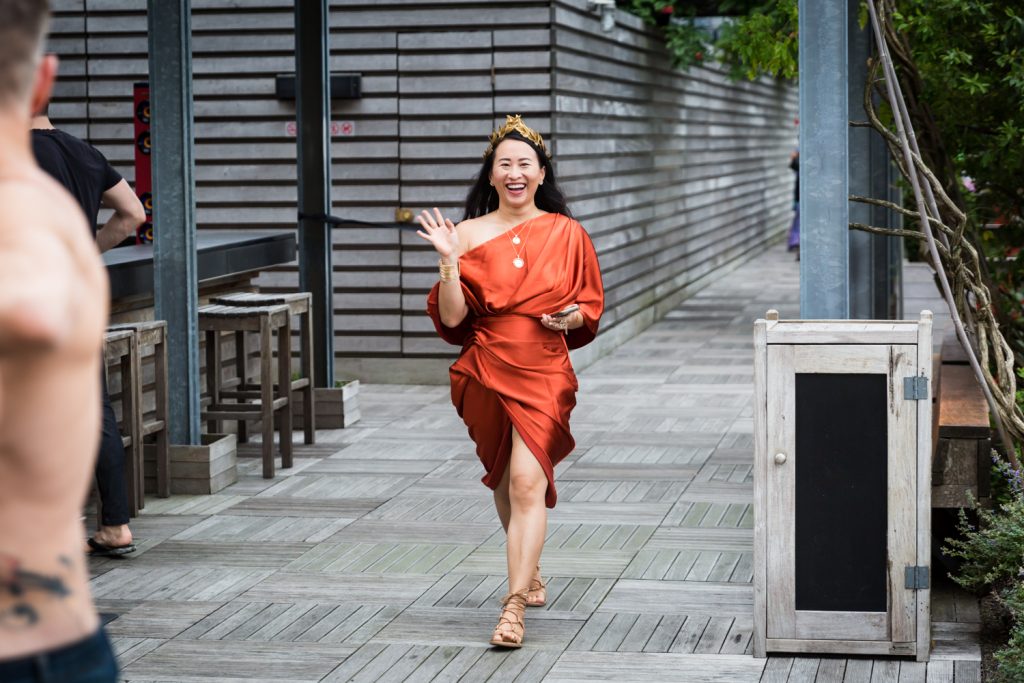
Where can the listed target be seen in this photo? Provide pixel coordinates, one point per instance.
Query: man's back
(53, 294)
(76, 165)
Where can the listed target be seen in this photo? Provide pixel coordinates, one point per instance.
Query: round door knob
(780, 458)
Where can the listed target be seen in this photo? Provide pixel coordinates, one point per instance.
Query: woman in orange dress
(519, 286)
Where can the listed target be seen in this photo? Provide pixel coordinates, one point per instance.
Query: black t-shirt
(76, 165)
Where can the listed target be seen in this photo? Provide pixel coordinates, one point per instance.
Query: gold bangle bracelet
(449, 272)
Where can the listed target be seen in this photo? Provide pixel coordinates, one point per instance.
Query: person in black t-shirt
(793, 240)
(90, 178)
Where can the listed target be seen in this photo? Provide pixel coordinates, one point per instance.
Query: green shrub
(1011, 657)
(993, 561)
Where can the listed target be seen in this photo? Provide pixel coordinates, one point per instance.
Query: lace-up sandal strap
(516, 625)
(536, 586)
(519, 599)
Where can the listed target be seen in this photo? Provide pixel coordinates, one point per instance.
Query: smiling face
(516, 173)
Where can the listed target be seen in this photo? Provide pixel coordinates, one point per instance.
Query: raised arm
(128, 216)
(443, 235)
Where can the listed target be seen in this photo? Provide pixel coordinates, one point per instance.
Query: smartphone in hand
(568, 310)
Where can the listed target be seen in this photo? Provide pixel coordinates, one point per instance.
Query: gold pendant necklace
(518, 261)
(515, 235)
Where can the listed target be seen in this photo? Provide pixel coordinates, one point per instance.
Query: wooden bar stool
(265, 320)
(121, 347)
(300, 304)
(154, 334)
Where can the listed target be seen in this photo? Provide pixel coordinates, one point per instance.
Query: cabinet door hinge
(915, 388)
(916, 578)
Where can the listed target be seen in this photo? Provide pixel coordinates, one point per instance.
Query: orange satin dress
(512, 370)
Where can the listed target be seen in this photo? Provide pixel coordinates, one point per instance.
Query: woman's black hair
(483, 198)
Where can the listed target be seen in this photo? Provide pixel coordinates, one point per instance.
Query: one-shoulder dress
(513, 370)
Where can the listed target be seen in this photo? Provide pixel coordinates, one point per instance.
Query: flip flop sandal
(97, 549)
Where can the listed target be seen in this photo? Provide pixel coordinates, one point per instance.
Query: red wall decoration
(143, 169)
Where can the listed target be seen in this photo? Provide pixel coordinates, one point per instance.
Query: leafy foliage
(966, 69)
(993, 560)
(1011, 658)
(993, 551)
(764, 42)
(758, 38)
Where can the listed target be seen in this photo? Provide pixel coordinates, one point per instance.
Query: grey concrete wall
(678, 176)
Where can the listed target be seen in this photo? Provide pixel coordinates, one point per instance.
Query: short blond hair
(22, 27)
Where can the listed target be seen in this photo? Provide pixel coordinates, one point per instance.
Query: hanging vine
(955, 259)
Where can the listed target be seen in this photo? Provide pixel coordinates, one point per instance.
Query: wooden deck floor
(379, 557)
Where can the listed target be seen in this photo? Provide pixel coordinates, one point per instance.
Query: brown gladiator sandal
(514, 604)
(537, 586)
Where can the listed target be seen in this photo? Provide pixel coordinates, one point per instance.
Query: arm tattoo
(16, 583)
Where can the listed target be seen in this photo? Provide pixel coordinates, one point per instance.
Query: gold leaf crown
(515, 124)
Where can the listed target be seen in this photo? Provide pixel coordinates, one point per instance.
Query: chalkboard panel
(841, 492)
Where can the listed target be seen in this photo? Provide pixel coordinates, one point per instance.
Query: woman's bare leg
(527, 525)
(503, 505)
(501, 502)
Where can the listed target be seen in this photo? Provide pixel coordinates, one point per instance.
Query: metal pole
(864, 280)
(313, 111)
(174, 224)
(824, 210)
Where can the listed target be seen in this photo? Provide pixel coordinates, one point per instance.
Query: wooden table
(220, 254)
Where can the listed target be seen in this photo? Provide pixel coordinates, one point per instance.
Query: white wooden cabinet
(842, 483)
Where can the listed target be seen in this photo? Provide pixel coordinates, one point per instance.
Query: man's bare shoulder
(50, 270)
(37, 204)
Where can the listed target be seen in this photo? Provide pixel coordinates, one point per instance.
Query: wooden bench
(961, 462)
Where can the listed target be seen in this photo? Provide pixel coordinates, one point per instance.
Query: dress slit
(550, 495)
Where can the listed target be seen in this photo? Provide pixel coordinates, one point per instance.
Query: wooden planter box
(206, 468)
(336, 408)
(842, 486)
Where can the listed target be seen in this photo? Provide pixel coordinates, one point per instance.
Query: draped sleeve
(590, 298)
(453, 335)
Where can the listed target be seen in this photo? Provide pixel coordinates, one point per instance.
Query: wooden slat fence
(676, 175)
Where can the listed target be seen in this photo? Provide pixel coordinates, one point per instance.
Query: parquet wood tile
(178, 659)
(379, 555)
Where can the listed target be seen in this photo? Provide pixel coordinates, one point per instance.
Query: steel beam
(824, 213)
(313, 111)
(863, 282)
(174, 222)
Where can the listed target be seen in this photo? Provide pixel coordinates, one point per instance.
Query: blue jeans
(87, 661)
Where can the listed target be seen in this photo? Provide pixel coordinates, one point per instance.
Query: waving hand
(440, 232)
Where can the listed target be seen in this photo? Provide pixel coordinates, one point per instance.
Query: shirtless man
(53, 310)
